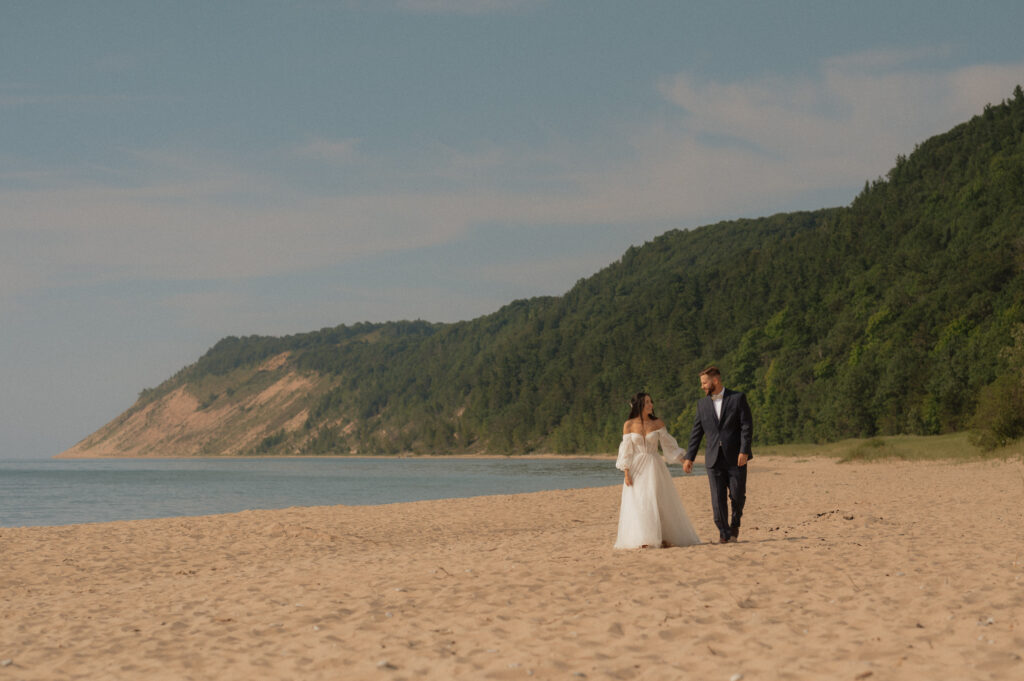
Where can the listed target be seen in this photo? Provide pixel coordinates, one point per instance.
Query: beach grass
(954, 447)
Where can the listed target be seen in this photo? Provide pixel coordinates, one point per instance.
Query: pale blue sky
(175, 172)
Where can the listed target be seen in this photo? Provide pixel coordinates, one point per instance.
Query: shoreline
(61, 457)
(952, 447)
(519, 457)
(189, 487)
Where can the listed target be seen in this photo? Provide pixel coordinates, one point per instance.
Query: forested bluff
(900, 313)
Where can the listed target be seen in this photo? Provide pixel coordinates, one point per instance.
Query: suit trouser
(728, 481)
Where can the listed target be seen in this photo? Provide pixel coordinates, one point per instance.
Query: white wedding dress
(651, 510)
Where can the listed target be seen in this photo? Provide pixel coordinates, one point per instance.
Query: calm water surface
(61, 492)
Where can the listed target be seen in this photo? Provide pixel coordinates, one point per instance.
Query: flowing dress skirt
(651, 510)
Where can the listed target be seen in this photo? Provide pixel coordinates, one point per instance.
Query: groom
(724, 418)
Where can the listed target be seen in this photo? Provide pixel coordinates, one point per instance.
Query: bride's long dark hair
(636, 406)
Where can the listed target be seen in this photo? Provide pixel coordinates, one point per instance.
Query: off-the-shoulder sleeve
(669, 447)
(625, 453)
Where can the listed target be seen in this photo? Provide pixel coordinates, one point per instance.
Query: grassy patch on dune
(955, 447)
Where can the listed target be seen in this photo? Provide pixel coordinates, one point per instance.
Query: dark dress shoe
(724, 540)
(735, 535)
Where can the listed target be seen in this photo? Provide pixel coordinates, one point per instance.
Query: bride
(651, 513)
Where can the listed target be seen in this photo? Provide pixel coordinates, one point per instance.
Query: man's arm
(746, 429)
(696, 435)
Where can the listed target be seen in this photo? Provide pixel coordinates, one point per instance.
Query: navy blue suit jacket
(732, 434)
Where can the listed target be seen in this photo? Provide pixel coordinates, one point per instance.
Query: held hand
(741, 460)
(687, 466)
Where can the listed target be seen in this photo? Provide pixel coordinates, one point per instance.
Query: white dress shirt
(717, 400)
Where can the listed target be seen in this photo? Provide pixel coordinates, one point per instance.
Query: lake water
(62, 492)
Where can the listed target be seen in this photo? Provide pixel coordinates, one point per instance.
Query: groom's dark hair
(711, 371)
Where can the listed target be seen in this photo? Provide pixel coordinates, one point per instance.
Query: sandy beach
(893, 570)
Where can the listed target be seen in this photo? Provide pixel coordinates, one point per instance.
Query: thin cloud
(337, 151)
(465, 6)
(731, 149)
(887, 59)
(848, 122)
(18, 100)
(159, 231)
